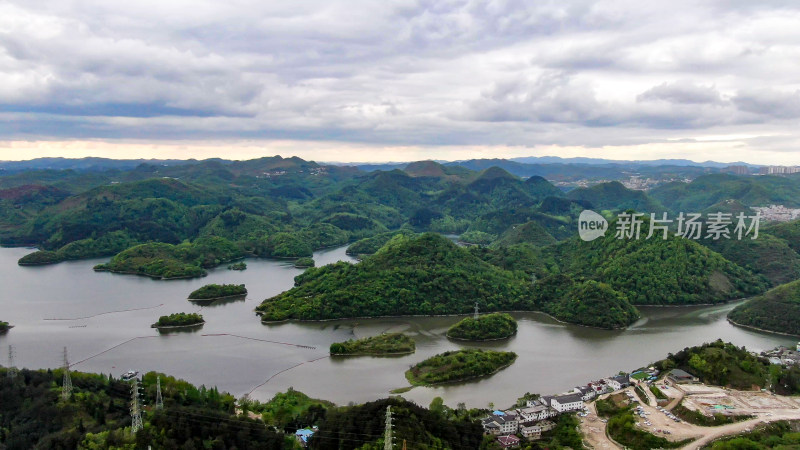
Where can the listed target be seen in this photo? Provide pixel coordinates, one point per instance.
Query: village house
(508, 441)
(502, 423)
(564, 403)
(679, 376)
(618, 382)
(531, 433)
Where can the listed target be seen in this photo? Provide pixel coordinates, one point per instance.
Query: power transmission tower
(136, 411)
(12, 369)
(66, 386)
(475, 316)
(387, 440)
(159, 399)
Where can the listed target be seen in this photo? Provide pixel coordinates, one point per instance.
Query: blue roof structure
(304, 434)
(498, 413)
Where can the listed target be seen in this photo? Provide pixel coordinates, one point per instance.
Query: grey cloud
(394, 72)
(682, 92)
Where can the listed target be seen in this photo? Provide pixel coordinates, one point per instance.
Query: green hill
(707, 190)
(614, 196)
(529, 232)
(675, 271)
(776, 310)
(723, 364)
(410, 275)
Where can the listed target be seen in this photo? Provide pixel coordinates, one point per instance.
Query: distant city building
(778, 170)
(737, 170)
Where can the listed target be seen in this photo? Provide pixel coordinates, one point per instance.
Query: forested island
(238, 266)
(484, 328)
(383, 344)
(4, 326)
(304, 263)
(458, 365)
(178, 320)
(218, 291)
(777, 310)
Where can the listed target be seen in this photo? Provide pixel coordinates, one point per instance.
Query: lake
(104, 321)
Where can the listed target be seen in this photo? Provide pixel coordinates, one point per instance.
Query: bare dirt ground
(764, 406)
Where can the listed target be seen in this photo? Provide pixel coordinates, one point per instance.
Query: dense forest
(458, 365)
(425, 274)
(724, 364)
(179, 320)
(177, 220)
(383, 344)
(776, 310)
(97, 416)
(485, 327)
(215, 291)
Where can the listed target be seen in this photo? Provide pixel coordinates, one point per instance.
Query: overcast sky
(387, 80)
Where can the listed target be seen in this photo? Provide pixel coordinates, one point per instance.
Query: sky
(387, 80)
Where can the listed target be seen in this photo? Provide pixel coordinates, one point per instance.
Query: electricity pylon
(159, 399)
(12, 369)
(387, 440)
(136, 410)
(66, 386)
(475, 316)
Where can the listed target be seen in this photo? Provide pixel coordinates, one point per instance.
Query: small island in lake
(384, 344)
(218, 291)
(238, 266)
(303, 263)
(458, 365)
(4, 326)
(178, 320)
(484, 328)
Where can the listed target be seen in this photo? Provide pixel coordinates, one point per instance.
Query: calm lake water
(246, 356)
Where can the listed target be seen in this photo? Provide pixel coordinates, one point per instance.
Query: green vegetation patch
(179, 320)
(384, 344)
(724, 364)
(486, 327)
(777, 310)
(4, 326)
(215, 291)
(658, 393)
(782, 435)
(238, 266)
(305, 262)
(459, 365)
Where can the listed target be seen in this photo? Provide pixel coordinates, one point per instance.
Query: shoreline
(171, 327)
(216, 298)
(750, 327)
(374, 354)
